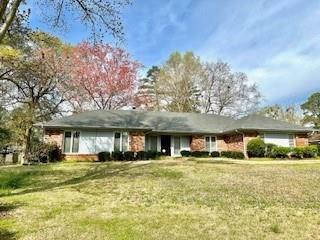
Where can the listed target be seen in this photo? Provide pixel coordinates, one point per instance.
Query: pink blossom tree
(100, 77)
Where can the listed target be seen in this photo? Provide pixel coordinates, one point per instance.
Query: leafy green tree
(176, 83)
(30, 83)
(4, 132)
(311, 110)
(147, 97)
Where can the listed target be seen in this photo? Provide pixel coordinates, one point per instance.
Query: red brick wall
(53, 136)
(80, 157)
(136, 141)
(197, 143)
(234, 142)
(301, 140)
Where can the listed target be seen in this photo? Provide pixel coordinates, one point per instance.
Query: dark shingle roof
(168, 122)
(258, 122)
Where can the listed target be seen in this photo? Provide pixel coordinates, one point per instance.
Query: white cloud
(276, 43)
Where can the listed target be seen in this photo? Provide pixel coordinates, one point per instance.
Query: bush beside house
(257, 148)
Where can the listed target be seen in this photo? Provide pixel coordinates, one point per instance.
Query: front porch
(172, 145)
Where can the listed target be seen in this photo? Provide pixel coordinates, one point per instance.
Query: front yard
(169, 199)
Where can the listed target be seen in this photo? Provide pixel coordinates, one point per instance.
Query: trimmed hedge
(142, 155)
(215, 154)
(280, 152)
(199, 154)
(185, 153)
(232, 154)
(269, 149)
(310, 151)
(256, 148)
(117, 156)
(152, 155)
(128, 156)
(104, 156)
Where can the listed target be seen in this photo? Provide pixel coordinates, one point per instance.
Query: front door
(166, 145)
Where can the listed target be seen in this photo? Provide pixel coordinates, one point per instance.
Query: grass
(170, 199)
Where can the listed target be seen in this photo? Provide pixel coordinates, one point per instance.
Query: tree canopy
(311, 109)
(99, 16)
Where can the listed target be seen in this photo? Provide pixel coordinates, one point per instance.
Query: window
(124, 141)
(67, 142)
(210, 143)
(121, 141)
(71, 142)
(75, 142)
(151, 143)
(117, 137)
(291, 140)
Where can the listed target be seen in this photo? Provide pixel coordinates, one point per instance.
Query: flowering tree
(101, 77)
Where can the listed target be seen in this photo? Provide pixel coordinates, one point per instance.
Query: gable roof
(169, 122)
(258, 122)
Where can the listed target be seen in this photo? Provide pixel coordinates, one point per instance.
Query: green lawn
(177, 199)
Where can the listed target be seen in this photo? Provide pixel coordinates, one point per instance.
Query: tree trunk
(9, 19)
(27, 145)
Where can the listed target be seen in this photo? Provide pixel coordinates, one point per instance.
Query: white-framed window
(151, 143)
(121, 141)
(280, 139)
(210, 143)
(71, 141)
(291, 140)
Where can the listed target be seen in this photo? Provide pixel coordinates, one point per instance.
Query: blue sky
(276, 42)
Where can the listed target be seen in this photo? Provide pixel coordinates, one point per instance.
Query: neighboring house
(315, 138)
(83, 135)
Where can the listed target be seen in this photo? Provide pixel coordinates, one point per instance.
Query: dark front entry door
(166, 144)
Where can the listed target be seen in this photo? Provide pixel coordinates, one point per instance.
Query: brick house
(82, 136)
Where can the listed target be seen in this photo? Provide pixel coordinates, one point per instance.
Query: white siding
(94, 142)
(104, 142)
(87, 142)
(280, 139)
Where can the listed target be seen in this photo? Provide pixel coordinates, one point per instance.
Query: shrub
(269, 149)
(152, 154)
(237, 155)
(43, 152)
(104, 156)
(142, 155)
(298, 152)
(54, 153)
(117, 156)
(199, 154)
(256, 148)
(128, 156)
(280, 152)
(310, 151)
(215, 154)
(185, 153)
(232, 154)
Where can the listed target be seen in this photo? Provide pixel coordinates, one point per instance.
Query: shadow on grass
(6, 235)
(5, 209)
(98, 172)
(210, 161)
